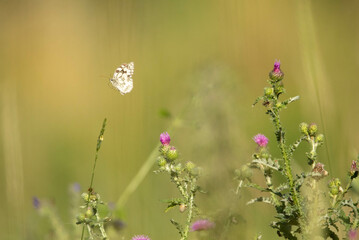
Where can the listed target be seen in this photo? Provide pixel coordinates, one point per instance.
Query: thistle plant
(305, 208)
(185, 178)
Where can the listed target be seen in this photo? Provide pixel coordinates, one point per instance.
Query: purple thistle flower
(353, 167)
(36, 202)
(201, 225)
(352, 234)
(276, 74)
(165, 138)
(261, 140)
(276, 66)
(140, 237)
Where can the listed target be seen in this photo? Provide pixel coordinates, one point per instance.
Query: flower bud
(353, 170)
(178, 167)
(85, 196)
(164, 149)
(161, 162)
(89, 213)
(319, 139)
(334, 187)
(94, 197)
(165, 138)
(246, 171)
(172, 154)
(312, 129)
(304, 128)
(276, 74)
(190, 166)
(80, 218)
(269, 92)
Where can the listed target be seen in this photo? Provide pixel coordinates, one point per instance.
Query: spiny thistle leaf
(261, 199)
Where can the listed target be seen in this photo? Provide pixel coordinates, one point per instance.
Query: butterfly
(122, 78)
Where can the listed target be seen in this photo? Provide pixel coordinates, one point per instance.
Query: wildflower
(352, 234)
(312, 129)
(165, 138)
(276, 74)
(36, 202)
(353, 170)
(140, 237)
(202, 225)
(261, 140)
(75, 187)
(172, 154)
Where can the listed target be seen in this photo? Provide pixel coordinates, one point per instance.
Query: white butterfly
(122, 78)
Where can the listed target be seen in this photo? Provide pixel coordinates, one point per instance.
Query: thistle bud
(190, 166)
(89, 212)
(161, 162)
(319, 139)
(164, 149)
(172, 154)
(276, 74)
(334, 187)
(353, 170)
(269, 92)
(165, 138)
(178, 167)
(304, 128)
(312, 129)
(85, 196)
(80, 218)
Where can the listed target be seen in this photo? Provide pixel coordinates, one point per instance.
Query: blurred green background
(205, 61)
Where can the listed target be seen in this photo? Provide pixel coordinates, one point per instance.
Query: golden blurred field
(55, 63)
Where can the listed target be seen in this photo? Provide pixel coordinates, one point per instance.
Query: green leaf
(178, 227)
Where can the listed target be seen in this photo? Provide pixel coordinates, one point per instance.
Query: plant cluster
(185, 178)
(307, 205)
(305, 209)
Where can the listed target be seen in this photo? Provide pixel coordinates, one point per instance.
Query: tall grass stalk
(90, 190)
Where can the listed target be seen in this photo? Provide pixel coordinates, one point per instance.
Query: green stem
(282, 146)
(98, 146)
(190, 212)
(102, 229)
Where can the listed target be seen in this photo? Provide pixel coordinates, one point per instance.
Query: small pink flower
(276, 66)
(352, 234)
(165, 138)
(201, 225)
(353, 167)
(140, 237)
(261, 140)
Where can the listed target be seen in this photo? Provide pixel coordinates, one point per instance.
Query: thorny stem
(281, 140)
(190, 210)
(98, 146)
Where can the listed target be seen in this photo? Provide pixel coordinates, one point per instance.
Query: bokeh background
(199, 65)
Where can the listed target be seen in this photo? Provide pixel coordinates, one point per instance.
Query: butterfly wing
(122, 78)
